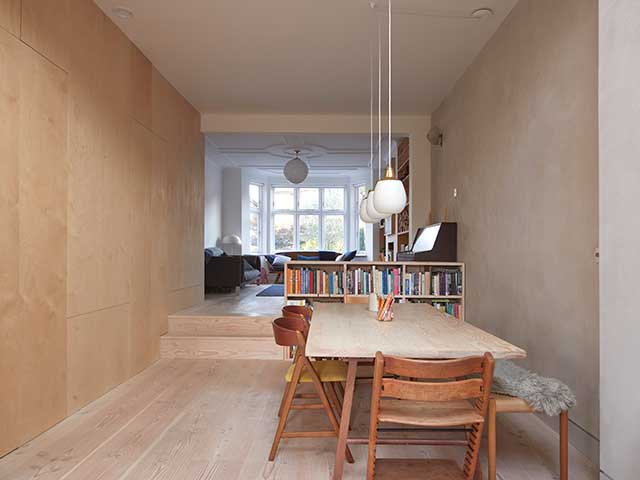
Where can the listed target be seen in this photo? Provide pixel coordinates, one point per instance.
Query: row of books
(359, 281)
(446, 282)
(305, 281)
(362, 281)
(454, 309)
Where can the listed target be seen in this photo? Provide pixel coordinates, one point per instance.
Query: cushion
(327, 370)
(347, 257)
(327, 256)
(279, 261)
(309, 258)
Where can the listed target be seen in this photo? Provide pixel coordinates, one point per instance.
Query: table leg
(347, 403)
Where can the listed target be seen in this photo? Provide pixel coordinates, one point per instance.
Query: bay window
(308, 218)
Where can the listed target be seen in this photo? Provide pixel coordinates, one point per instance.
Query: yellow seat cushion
(327, 370)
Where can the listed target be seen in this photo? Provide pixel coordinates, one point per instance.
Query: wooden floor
(215, 419)
(243, 303)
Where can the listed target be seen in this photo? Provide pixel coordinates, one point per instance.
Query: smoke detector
(122, 13)
(482, 13)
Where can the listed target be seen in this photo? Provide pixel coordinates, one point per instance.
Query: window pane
(308, 199)
(283, 229)
(254, 196)
(333, 199)
(254, 232)
(283, 199)
(309, 232)
(334, 233)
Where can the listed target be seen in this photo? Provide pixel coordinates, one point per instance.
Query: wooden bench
(505, 404)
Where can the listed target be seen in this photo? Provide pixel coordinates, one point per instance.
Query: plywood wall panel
(114, 247)
(10, 304)
(185, 298)
(85, 160)
(46, 28)
(141, 73)
(161, 114)
(159, 243)
(116, 76)
(142, 331)
(10, 16)
(42, 210)
(97, 354)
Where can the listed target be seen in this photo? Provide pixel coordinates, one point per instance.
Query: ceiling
(306, 56)
(326, 155)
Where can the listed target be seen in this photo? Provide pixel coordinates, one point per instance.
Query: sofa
(227, 272)
(277, 265)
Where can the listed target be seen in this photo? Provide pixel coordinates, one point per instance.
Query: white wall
(619, 102)
(232, 201)
(212, 204)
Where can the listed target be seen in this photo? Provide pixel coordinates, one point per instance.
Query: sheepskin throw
(544, 394)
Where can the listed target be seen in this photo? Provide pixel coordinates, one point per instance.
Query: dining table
(418, 330)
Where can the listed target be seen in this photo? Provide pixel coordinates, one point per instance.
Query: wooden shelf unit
(345, 287)
(397, 231)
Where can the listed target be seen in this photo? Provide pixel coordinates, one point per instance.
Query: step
(220, 326)
(220, 347)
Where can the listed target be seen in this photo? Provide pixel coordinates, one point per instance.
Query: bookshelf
(437, 283)
(395, 231)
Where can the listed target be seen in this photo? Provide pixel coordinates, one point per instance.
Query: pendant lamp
(363, 211)
(389, 196)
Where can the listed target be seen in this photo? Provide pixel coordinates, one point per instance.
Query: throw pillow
(280, 260)
(309, 258)
(347, 257)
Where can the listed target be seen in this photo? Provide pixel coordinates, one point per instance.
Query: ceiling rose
(296, 170)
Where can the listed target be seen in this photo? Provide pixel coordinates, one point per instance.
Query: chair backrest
(440, 381)
(297, 310)
(356, 299)
(290, 331)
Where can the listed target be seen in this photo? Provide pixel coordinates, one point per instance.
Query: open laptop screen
(426, 238)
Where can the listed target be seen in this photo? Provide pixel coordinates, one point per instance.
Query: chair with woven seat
(506, 404)
(445, 394)
(292, 332)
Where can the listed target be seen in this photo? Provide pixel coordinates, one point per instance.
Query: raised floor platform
(234, 325)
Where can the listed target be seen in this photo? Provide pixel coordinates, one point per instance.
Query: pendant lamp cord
(379, 101)
(371, 109)
(389, 159)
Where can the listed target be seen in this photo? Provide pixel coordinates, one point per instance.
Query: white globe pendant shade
(296, 170)
(389, 196)
(363, 211)
(372, 211)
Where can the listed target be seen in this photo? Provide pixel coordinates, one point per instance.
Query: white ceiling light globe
(363, 211)
(372, 212)
(389, 196)
(296, 170)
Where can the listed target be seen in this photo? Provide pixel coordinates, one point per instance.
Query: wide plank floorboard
(215, 419)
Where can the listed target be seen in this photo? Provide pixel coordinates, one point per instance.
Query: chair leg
(327, 406)
(564, 445)
(331, 393)
(284, 396)
(491, 439)
(286, 408)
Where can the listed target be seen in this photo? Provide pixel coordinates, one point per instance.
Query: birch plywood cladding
(101, 207)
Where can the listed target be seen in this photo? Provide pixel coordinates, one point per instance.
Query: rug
(272, 291)
(544, 394)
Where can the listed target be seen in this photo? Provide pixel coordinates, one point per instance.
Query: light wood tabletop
(417, 331)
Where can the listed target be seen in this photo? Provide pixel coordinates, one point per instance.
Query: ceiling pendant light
(389, 196)
(296, 170)
(372, 212)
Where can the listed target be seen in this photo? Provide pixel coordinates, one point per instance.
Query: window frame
(356, 217)
(297, 212)
(260, 212)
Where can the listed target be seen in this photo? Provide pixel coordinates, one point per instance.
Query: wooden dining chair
(297, 310)
(292, 332)
(440, 394)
